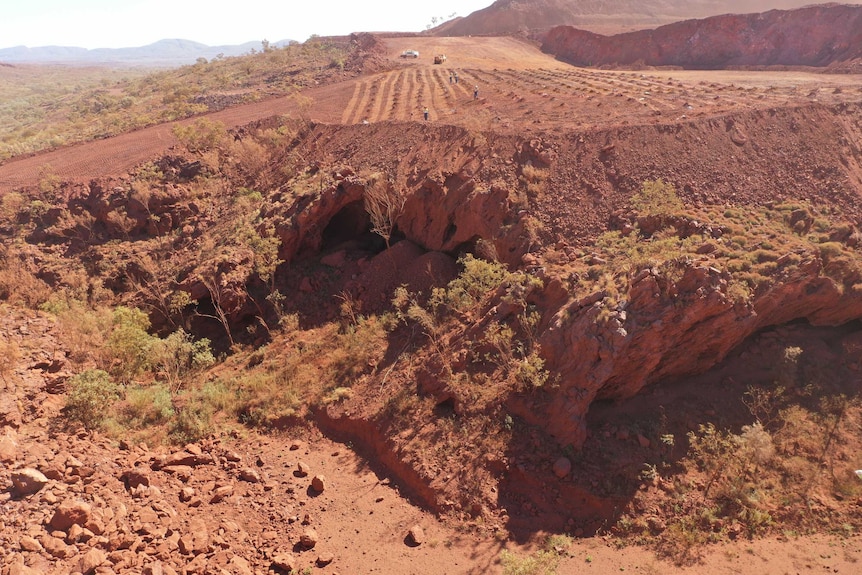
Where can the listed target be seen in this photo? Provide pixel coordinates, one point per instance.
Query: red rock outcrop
(817, 35)
(512, 16)
(602, 353)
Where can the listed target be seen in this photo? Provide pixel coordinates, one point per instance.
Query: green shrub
(147, 406)
(201, 136)
(542, 563)
(477, 278)
(91, 395)
(192, 423)
(129, 344)
(657, 198)
(178, 355)
(531, 371)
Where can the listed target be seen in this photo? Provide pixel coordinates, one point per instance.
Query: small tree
(214, 286)
(384, 204)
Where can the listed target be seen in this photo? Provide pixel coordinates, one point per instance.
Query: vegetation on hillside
(47, 107)
(173, 296)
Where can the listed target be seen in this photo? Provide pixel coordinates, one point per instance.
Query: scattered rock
(187, 459)
(309, 538)
(196, 539)
(643, 441)
(296, 444)
(56, 548)
(186, 494)
(250, 475)
(416, 535)
(240, 566)
(19, 568)
(221, 493)
(71, 512)
(562, 467)
(91, 559)
(181, 472)
(318, 483)
(28, 481)
(302, 469)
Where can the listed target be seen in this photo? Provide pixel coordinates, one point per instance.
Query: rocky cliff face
(511, 16)
(657, 338)
(812, 36)
(663, 323)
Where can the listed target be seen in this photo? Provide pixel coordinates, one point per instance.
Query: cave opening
(445, 408)
(350, 223)
(351, 228)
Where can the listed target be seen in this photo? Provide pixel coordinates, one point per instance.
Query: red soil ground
(521, 92)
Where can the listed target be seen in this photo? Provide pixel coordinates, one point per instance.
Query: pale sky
(132, 23)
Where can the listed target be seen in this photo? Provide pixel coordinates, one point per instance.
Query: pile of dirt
(811, 36)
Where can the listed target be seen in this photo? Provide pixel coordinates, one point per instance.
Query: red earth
(522, 93)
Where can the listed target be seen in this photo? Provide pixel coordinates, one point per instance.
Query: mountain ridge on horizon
(167, 51)
(504, 17)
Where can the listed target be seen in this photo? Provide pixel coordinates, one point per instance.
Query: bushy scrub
(91, 395)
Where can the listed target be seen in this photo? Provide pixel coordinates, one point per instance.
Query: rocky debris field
(74, 502)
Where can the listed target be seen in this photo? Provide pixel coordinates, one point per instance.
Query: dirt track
(521, 90)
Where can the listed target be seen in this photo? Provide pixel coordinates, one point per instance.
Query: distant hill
(599, 16)
(162, 53)
(818, 35)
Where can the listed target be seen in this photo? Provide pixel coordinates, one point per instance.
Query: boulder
(71, 512)
(416, 535)
(562, 467)
(8, 449)
(29, 544)
(309, 538)
(56, 547)
(284, 562)
(195, 540)
(302, 469)
(28, 481)
(135, 477)
(325, 559)
(91, 560)
(318, 483)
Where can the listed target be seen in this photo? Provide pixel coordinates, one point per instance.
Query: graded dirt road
(520, 90)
